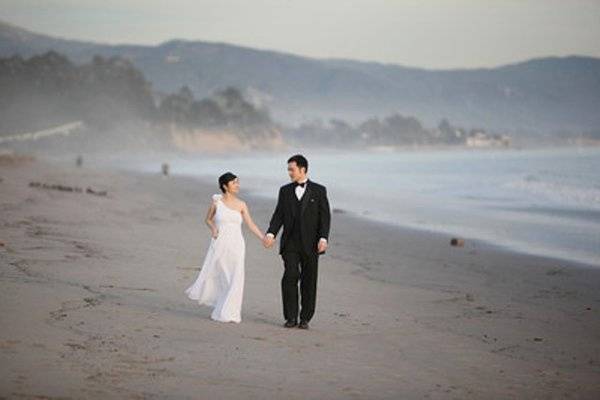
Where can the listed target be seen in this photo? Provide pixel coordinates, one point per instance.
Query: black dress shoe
(303, 325)
(290, 323)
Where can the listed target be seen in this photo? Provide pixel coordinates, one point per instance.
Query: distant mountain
(541, 95)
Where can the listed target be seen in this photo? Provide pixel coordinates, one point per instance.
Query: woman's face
(233, 186)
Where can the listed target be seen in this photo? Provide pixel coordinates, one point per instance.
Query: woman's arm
(248, 220)
(210, 220)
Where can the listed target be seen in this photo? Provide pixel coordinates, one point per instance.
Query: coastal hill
(545, 95)
(110, 105)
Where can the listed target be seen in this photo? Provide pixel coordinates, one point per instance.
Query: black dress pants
(302, 267)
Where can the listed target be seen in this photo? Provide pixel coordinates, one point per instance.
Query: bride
(220, 282)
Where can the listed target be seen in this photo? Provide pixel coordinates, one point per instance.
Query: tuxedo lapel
(292, 201)
(305, 197)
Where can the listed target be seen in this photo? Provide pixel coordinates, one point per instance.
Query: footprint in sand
(61, 313)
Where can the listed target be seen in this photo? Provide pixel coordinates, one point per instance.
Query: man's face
(294, 172)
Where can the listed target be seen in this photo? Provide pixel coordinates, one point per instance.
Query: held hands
(268, 241)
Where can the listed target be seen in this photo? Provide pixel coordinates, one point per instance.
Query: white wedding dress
(220, 282)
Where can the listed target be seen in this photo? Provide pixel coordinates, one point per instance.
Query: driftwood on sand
(65, 188)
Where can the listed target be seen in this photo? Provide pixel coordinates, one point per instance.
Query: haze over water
(544, 202)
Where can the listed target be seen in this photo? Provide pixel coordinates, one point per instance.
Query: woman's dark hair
(300, 161)
(225, 179)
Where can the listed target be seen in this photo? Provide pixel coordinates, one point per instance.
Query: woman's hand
(209, 220)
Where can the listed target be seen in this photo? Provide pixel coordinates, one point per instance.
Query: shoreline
(434, 217)
(407, 229)
(93, 286)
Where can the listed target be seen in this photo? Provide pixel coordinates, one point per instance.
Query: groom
(303, 210)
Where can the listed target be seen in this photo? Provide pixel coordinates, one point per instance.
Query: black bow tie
(296, 184)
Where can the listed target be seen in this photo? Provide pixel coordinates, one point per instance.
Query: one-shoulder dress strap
(216, 197)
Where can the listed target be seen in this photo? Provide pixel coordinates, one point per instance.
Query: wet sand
(92, 305)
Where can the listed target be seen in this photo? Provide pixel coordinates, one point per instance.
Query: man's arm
(324, 216)
(277, 218)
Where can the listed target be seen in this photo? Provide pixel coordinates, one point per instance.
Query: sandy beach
(92, 305)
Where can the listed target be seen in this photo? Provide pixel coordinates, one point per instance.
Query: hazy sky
(425, 33)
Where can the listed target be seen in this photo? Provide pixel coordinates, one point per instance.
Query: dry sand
(92, 305)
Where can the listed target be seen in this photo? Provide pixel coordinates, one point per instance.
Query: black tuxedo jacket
(315, 215)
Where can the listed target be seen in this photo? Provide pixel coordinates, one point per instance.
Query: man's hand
(268, 241)
(322, 245)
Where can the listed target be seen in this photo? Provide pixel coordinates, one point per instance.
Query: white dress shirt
(299, 193)
(300, 189)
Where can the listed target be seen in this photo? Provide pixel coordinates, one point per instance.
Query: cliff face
(222, 140)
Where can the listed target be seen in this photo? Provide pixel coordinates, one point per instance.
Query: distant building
(171, 59)
(482, 139)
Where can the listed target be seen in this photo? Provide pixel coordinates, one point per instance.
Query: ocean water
(544, 202)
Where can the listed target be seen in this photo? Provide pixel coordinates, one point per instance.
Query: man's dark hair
(224, 179)
(300, 161)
